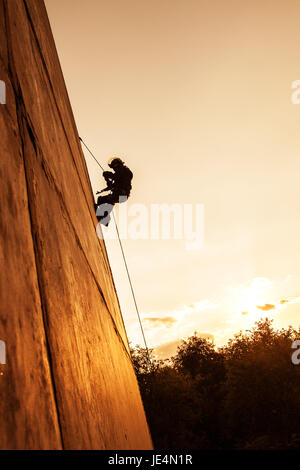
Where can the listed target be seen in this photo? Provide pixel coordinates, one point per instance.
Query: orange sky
(196, 96)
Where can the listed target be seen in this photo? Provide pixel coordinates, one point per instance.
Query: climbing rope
(91, 153)
(125, 263)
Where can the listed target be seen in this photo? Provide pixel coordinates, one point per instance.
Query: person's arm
(108, 175)
(103, 191)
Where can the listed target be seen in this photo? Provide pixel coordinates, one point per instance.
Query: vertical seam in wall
(20, 123)
(37, 265)
(83, 161)
(57, 106)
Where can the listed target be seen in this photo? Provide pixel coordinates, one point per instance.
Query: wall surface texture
(68, 382)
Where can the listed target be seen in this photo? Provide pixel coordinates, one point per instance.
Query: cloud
(166, 350)
(206, 336)
(160, 321)
(178, 313)
(194, 307)
(293, 300)
(257, 284)
(201, 305)
(266, 307)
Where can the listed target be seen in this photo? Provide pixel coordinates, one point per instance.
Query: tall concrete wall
(68, 382)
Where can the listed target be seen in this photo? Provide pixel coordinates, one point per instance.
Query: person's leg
(122, 198)
(103, 212)
(107, 199)
(105, 205)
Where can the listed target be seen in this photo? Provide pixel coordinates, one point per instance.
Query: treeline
(245, 395)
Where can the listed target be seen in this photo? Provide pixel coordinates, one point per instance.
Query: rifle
(109, 187)
(103, 190)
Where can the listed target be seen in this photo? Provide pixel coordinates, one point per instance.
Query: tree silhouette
(245, 395)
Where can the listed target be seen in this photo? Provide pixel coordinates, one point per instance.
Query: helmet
(115, 161)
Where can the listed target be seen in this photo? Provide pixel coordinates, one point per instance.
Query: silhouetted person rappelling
(119, 184)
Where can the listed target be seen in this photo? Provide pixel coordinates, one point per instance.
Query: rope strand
(91, 154)
(133, 294)
(125, 263)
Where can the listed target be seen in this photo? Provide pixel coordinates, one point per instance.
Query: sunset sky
(195, 95)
